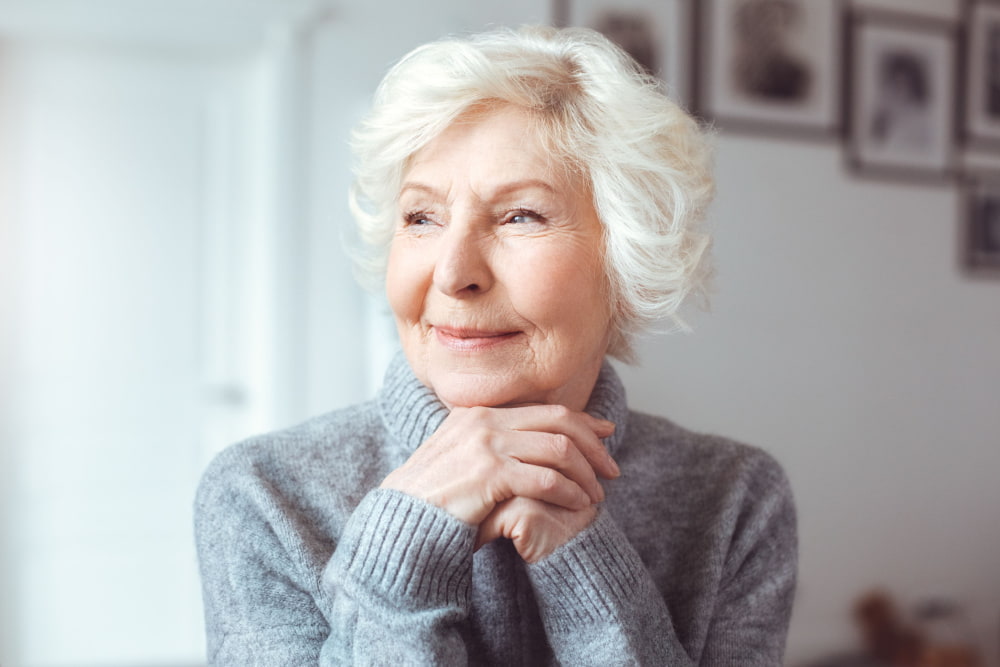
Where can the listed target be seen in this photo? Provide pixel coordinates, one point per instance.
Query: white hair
(647, 162)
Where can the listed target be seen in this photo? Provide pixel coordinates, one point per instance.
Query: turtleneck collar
(412, 412)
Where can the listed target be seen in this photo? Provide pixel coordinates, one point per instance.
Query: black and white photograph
(981, 64)
(770, 65)
(655, 33)
(901, 109)
(981, 226)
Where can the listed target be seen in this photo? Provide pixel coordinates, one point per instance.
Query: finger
(490, 527)
(538, 483)
(582, 428)
(558, 451)
(535, 528)
(502, 521)
(602, 427)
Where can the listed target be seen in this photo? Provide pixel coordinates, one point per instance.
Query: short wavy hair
(647, 162)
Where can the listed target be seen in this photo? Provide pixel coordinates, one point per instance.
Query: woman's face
(495, 274)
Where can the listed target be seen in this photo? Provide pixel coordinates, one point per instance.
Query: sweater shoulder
(332, 458)
(713, 499)
(342, 430)
(661, 442)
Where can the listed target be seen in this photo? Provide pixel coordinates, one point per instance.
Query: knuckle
(548, 480)
(477, 413)
(482, 435)
(562, 446)
(559, 411)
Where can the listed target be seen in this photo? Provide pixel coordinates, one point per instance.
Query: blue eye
(522, 216)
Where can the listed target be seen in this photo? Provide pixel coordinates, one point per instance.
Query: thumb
(491, 527)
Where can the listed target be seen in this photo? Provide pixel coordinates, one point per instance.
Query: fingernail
(614, 466)
(600, 420)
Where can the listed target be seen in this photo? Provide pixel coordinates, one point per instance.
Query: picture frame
(770, 66)
(654, 32)
(900, 107)
(980, 225)
(981, 66)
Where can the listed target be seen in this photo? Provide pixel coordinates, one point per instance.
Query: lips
(471, 340)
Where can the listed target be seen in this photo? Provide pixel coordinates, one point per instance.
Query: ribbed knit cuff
(404, 551)
(590, 579)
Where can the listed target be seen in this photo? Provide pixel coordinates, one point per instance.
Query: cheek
(403, 284)
(565, 293)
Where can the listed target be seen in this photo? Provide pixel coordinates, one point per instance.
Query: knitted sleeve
(600, 605)
(394, 592)
(401, 584)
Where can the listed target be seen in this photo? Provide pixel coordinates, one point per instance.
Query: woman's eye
(521, 217)
(416, 219)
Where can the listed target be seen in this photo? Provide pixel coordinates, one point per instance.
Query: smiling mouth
(471, 340)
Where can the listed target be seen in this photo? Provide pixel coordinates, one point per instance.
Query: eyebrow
(500, 191)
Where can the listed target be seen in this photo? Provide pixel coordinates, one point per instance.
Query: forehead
(489, 146)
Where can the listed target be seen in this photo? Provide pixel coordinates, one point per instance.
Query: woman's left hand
(535, 527)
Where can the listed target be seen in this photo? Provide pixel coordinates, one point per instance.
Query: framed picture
(980, 236)
(654, 32)
(770, 65)
(900, 110)
(981, 64)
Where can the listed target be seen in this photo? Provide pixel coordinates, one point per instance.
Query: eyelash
(524, 213)
(414, 218)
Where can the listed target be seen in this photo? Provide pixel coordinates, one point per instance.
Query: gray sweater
(690, 561)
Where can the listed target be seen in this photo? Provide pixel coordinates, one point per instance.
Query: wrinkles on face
(495, 272)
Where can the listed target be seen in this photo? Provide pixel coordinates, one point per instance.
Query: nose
(462, 268)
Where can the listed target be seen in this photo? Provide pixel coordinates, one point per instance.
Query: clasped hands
(527, 473)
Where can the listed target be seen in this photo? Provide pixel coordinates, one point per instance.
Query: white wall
(142, 203)
(105, 361)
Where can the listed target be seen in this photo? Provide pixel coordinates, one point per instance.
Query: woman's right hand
(480, 457)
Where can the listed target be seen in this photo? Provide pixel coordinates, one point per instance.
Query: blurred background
(172, 279)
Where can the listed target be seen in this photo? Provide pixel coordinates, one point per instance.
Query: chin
(467, 391)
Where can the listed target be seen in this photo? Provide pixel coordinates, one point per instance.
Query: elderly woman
(532, 202)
